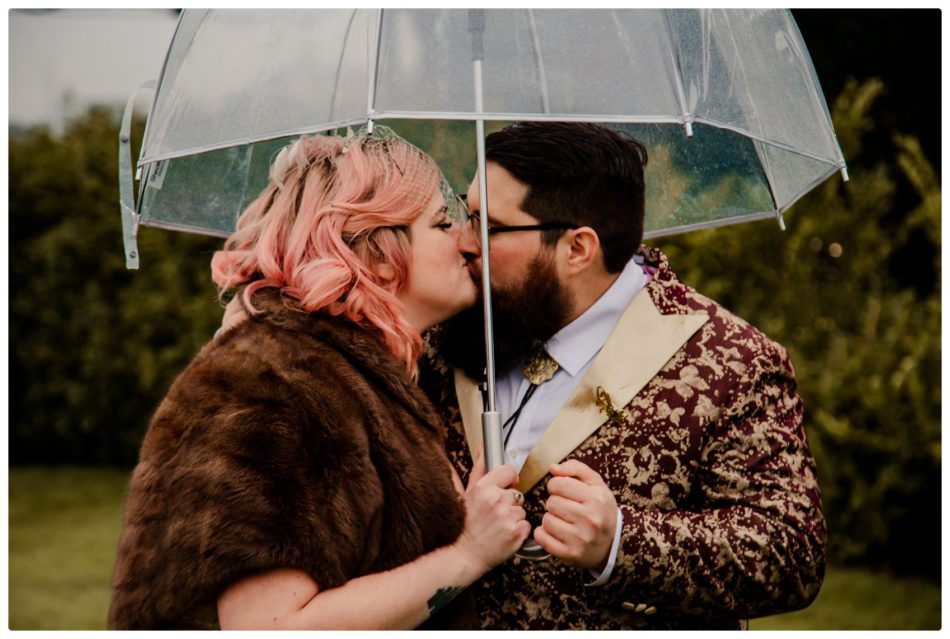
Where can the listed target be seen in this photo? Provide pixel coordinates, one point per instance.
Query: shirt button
(513, 453)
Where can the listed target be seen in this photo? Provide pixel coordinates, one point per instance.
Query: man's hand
(581, 516)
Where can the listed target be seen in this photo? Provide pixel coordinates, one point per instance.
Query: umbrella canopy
(726, 101)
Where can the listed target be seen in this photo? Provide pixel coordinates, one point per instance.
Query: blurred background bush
(852, 289)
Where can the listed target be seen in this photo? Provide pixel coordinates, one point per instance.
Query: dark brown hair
(581, 173)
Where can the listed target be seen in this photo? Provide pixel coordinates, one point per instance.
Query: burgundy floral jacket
(691, 416)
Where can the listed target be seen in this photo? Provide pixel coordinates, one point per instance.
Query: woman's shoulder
(277, 364)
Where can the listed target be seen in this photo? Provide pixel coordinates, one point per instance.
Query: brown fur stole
(292, 440)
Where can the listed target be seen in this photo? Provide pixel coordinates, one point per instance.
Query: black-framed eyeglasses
(476, 224)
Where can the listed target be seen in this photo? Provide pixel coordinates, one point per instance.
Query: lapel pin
(606, 406)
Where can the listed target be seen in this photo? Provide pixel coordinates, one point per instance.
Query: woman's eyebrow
(439, 214)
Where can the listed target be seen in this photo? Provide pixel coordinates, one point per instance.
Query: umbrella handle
(492, 438)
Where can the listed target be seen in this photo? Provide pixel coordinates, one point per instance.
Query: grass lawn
(856, 599)
(64, 527)
(65, 523)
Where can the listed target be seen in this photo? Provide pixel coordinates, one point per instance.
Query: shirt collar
(575, 345)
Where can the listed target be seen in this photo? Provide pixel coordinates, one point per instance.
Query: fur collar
(362, 347)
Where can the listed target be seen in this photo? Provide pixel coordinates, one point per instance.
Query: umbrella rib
(802, 53)
(304, 130)
(542, 79)
(188, 228)
(802, 192)
(500, 117)
(709, 224)
(619, 119)
(374, 61)
(339, 63)
(161, 75)
(679, 82)
(763, 157)
(739, 219)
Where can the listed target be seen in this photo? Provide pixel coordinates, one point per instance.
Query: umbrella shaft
(491, 419)
(486, 266)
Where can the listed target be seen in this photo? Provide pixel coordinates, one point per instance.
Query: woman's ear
(582, 249)
(385, 272)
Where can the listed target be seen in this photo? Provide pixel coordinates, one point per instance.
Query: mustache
(474, 271)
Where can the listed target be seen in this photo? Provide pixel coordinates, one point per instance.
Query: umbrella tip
(780, 218)
(844, 174)
(369, 126)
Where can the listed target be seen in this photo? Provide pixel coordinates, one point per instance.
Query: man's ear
(582, 249)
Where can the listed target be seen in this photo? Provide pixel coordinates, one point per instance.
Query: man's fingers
(569, 488)
(550, 543)
(567, 509)
(558, 528)
(574, 468)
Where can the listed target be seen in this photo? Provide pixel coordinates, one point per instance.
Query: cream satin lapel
(470, 406)
(643, 341)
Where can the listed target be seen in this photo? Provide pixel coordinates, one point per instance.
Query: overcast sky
(100, 55)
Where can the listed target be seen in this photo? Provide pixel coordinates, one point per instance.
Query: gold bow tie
(539, 367)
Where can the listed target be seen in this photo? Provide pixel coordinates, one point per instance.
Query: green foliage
(93, 346)
(852, 289)
(866, 345)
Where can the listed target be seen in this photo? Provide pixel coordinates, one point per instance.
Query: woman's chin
(471, 298)
(465, 302)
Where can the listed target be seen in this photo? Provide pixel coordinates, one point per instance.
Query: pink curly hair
(335, 209)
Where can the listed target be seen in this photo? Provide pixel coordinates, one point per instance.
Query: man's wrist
(602, 576)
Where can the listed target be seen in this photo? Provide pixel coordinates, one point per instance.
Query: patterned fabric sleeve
(754, 543)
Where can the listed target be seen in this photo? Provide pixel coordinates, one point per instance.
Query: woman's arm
(400, 598)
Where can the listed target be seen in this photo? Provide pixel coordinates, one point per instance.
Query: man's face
(511, 253)
(530, 303)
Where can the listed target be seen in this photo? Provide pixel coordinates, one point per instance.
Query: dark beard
(522, 317)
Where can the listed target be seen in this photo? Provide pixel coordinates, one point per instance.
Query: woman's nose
(466, 241)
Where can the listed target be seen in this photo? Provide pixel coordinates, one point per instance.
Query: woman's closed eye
(443, 221)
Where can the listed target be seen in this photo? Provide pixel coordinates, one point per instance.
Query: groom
(661, 449)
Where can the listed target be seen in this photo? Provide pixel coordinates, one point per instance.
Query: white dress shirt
(574, 348)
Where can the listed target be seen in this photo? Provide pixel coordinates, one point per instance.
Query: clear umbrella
(726, 101)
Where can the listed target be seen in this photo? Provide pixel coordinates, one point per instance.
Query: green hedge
(852, 289)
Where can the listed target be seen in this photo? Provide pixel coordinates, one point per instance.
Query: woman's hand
(402, 597)
(495, 522)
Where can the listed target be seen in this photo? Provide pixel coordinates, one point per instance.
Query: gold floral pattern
(711, 469)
